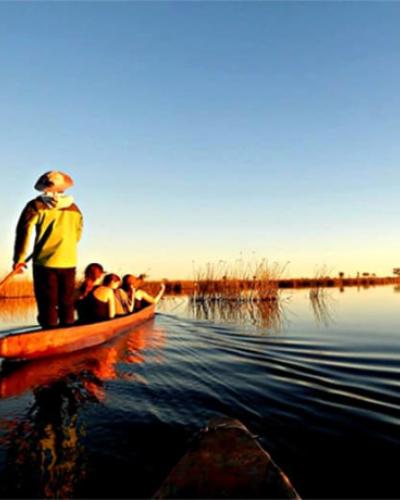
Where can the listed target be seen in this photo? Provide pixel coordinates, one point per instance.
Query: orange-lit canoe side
(42, 343)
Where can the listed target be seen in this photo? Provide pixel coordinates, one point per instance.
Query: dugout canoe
(42, 343)
(226, 461)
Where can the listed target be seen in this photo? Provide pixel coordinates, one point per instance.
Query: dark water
(318, 381)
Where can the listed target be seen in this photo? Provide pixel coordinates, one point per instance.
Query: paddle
(18, 270)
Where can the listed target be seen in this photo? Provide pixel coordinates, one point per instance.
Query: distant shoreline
(189, 286)
(24, 290)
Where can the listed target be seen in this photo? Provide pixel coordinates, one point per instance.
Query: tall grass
(17, 288)
(244, 292)
(16, 308)
(241, 282)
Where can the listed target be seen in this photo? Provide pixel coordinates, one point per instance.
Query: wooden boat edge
(41, 343)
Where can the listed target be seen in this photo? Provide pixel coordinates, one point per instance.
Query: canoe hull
(43, 343)
(226, 461)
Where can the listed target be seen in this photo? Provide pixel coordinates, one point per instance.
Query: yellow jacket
(58, 228)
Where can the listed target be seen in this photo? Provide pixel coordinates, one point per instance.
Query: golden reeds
(242, 282)
(178, 287)
(243, 292)
(18, 287)
(21, 308)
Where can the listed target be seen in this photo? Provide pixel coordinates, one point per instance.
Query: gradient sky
(200, 131)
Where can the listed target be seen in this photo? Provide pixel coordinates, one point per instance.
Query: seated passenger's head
(94, 271)
(112, 280)
(129, 280)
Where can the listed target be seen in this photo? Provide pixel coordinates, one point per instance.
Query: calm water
(318, 381)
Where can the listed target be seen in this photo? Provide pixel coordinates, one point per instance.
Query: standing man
(58, 226)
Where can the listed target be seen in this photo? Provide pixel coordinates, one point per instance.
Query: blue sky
(200, 131)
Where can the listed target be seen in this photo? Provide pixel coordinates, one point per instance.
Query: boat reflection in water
(45, 448)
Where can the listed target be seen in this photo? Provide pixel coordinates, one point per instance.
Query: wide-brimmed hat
(54, 182)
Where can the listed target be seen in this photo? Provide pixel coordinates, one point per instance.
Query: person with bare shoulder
(124, 301)
(57, 223)
(100, 303)
(139, 298)
(93, 276)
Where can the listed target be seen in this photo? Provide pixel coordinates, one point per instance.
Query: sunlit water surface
(318, 381)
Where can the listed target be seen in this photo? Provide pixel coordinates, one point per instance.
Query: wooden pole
(8, 277)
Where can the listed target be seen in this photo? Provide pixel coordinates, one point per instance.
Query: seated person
(139, 298)
(124, 301)
(100, 303)
(92, 277)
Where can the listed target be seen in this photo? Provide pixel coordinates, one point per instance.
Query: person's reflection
(45, 449)
(45, 453)
(58, 444)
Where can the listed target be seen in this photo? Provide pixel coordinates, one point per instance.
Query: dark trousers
(54, 292)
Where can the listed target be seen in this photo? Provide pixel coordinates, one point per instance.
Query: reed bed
(245, 293)
(17, 288)
(241, 282)
(187, 287)
(21, 308)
